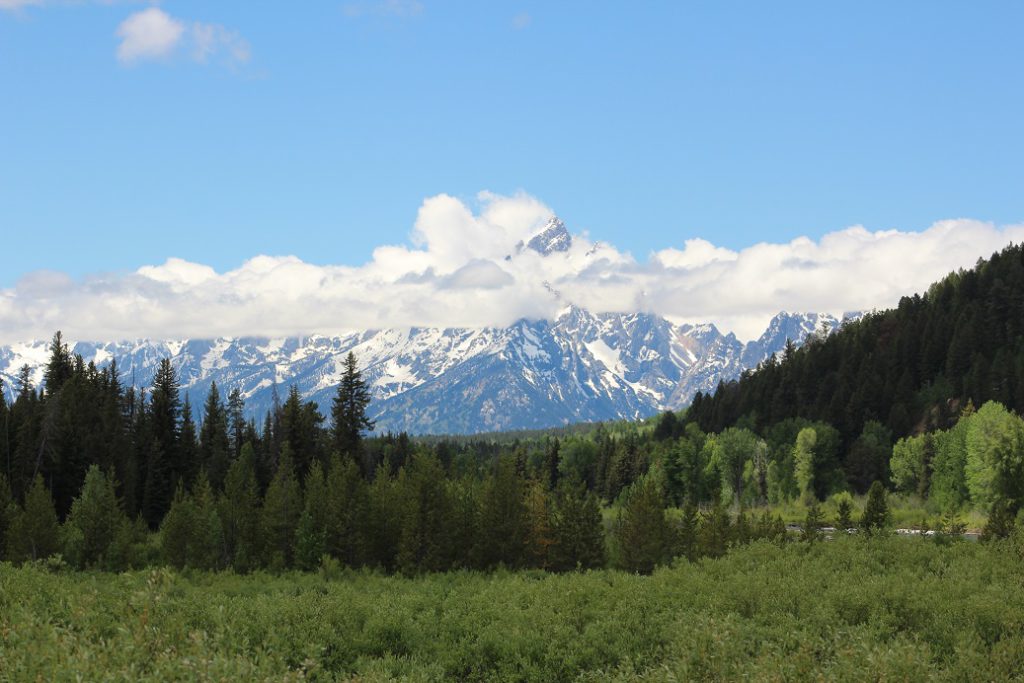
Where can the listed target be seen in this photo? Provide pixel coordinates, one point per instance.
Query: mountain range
(533, 374)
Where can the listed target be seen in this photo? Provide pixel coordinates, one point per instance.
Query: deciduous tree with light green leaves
(995, 457)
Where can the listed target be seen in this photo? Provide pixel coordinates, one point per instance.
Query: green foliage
(282, 507)
(851, 609)
(34, 533)
(643, 536)
(95, 520)
(240, 513)
(995, 457)
(577, 530)
(876, 511)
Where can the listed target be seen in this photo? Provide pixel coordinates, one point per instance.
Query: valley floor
(851, 609)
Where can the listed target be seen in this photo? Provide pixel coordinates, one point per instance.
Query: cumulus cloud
(153, 34)
(464, 265)
(149, 34)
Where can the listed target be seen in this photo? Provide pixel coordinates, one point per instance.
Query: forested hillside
(912, 368)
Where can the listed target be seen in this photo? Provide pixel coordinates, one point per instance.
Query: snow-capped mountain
(532, 374)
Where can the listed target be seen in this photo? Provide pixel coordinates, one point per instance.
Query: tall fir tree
(348, 411)
(214, 446)
(34, 533)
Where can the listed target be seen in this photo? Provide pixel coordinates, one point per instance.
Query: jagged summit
(580, 366)
(552, 237)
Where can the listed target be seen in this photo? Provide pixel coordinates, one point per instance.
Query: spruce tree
(34, 533)
(282, 507)
(311, 534)
(812, 523)
(876, 510)
(423, 542)
(239, 513)
(540, 537)
(95, 516)
(642, 532)
(348, 411)
(348, 498)
(577, 528)
(59, 367)
(214, 446)
(208, 551)
(236, 421)
(176, 530)
(503, 523)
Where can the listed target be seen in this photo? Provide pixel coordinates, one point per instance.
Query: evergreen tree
(59, 367)
(95, 517)
(686, 532)
(348, 411)
(715, 531)
(188, 444)
(311, 535)
(540, 537)
(845, 519)
(577, 529)
(176, 531)
(503, 522)
(812, 523)
(236, 421)
(282, 508)
(868, 457)
(34, 533)
(551, 463)
(642, 532)
(348, 498)
(209, 546)
(876, 510)
(423, 543)
(239, 512)
(214, 446)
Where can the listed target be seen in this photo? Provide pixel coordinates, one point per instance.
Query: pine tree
(715, 531)
(540, 537)
(423, 542)
(577, 528)
(59, 367)
(348, 411)
(34, 532)
(188, 444)
(503, 523)
(176, 530)
(812, 523)
(236, 421)
(239, 513)
(95, 516)
(845, 519)
(282, 508)
(686, 533)
(348, 498)
(876, 511)
(208, 546)
(642, 532)
(311, 535)
(214, 446)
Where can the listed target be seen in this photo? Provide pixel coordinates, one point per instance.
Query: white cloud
(154, 34)
(149, 34)
(462, 267)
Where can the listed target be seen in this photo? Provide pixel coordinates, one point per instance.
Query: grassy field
(850, 609)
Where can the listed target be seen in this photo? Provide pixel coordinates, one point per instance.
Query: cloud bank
(465, 266)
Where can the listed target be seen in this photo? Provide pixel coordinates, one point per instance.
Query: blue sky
(643, 123)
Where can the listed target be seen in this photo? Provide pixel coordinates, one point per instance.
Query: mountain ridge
(532, 374)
